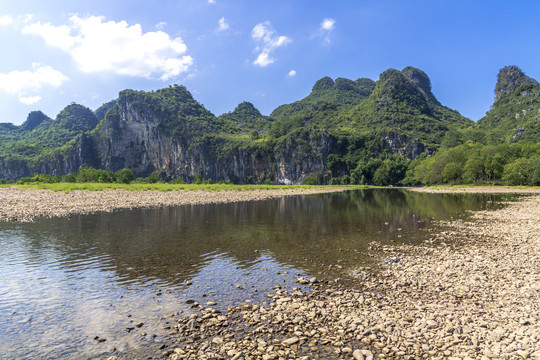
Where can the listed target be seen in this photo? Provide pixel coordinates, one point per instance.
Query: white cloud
(211, 1)
(29, 100)
(96, 46)
(264, 34)
(21, 83)
(291, 73)
(5, 20)
(222, 24)
(328, 24)
(325, 30)
(161, 25)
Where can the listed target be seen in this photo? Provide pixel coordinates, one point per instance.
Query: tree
(534, 171)
(391, 172)
(254, 135)
(452, 172)
(494, 167)
(473, 170)
(516, 172)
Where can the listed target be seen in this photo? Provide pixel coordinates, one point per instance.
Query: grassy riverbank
(68, 187)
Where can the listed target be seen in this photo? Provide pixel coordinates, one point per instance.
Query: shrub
(178, 180)
(311, 180)
(124, 176)
(198, 179)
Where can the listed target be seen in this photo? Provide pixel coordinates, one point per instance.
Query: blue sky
(265, 52)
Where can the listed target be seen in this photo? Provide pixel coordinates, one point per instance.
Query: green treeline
(468, 163)
(88, 174)
(473, 163)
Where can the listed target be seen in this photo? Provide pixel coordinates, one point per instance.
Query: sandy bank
(472, 291)
(27, 204)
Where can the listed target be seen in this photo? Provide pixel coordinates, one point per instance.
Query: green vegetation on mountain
(39, 135)
(515, 115)
(323, 107)
(393, 131)
(103, 109)
(402, 105)
(246, 119)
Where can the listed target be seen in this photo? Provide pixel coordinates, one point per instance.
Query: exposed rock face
(132, 139)
(509, 79)
(404, 146)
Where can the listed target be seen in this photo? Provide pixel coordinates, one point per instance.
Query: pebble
(405, 309)
(25, 205)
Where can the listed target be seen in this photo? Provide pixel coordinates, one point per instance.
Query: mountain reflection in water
(66, 281)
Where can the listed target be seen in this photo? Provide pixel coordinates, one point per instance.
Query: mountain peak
(34, 119)
(420, 79)
(326, 83)
(247, 109)
(509, 79)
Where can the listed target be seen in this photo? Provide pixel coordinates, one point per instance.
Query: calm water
(65, 281)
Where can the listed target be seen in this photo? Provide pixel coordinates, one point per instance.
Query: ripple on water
(65, 281)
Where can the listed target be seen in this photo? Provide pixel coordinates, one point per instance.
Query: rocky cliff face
(509, 79)
(131, 139)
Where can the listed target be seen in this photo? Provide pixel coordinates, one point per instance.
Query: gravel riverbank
(471, 291)
(476, 190)
(24, 205)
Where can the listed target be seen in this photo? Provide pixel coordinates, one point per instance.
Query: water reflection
(66, 281)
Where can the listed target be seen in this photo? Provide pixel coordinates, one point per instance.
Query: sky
(269, 53)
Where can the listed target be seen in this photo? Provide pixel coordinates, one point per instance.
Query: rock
(218, 340)
(290, 341)
(358, 355)
(238, 356)
(509, 79)
(368, 355)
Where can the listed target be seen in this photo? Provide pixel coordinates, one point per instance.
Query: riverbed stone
(470, 291)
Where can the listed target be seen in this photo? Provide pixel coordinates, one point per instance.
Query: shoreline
(474, 190)
(471, 291)
(25, 205)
